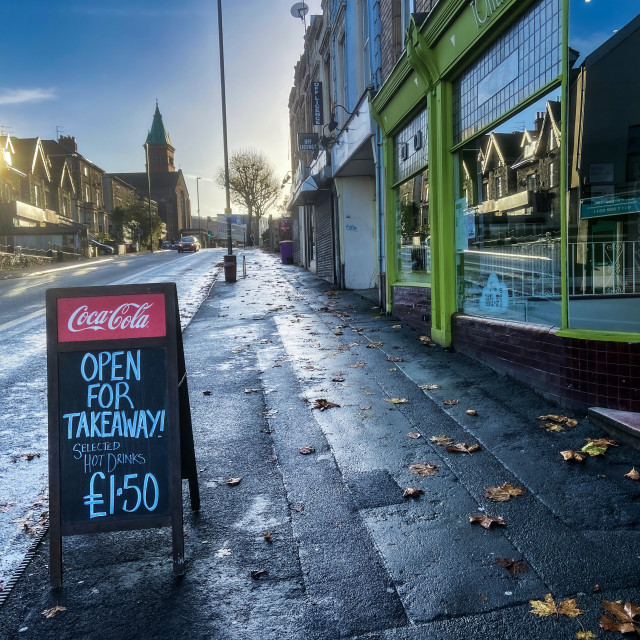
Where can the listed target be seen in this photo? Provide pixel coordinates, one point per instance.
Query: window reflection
(604, 167)
(508, 219)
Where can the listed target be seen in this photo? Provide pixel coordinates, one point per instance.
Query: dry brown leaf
(471, 412)
(443, 441)
(512, 566)
(424, 339)
(323, 404)
(548, 607)
(569, 455)
(633, 474)
(305, 451)
(395, 359)
(450, 403)
(429, 387)
(396, 326)
(414, 435)
(412, 492)
(53, 612)
(251, 390)
(268, 538)
(232, 482)
(486, 521)
(570, 423)
(602, 442)
(356, 365)
(552, 426)
(337, 379)
(206, 393)
(337, 333)
(623, 618)
(503, 493)
(374, 345)
(397, 400)
(462, 447)
(424, 470)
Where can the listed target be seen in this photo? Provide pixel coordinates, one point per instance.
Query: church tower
(159, 146)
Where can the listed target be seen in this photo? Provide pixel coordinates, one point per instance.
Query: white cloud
(20, 96)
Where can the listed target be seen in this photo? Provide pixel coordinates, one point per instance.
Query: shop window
(508, 246)
(412, 250)
(603, 253)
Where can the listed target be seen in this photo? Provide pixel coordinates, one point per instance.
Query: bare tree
(252, 184)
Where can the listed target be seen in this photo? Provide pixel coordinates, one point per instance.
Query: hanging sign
(307, 142)
(120, 433)
(317, 114)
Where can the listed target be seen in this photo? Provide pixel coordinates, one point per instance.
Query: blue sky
(96, 69)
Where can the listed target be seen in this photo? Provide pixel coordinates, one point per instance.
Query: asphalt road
(324, 545)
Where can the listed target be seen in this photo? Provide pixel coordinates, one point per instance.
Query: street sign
(139, 232)
(120, 433)
(307, 142)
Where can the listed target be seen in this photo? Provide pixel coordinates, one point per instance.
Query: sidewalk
(335, 549)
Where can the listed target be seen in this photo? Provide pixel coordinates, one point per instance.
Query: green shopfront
(512, 163)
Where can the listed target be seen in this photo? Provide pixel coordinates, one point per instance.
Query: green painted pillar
(441, 212)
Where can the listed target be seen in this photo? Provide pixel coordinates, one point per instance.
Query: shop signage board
(307, 142)
(120, 433)
(316, 103)
(608, 206)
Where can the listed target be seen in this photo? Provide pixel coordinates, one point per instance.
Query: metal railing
(604, 268)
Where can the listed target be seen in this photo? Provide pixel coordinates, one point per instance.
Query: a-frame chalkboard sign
(120, 433)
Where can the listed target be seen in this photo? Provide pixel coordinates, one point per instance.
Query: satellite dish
(299, 10)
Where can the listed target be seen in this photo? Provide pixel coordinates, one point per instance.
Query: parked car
(167, 245)
(188, 243)
(102, 248)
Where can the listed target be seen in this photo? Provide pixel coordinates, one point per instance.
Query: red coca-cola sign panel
(111, 317)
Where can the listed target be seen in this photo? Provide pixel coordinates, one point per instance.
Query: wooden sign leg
(55, 555)
(177, 535)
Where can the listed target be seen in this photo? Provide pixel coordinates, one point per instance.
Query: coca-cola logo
(111, 317)
(128, 315)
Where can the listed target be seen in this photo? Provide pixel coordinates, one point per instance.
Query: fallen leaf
(548, 607)
(305, 451)
(633, 474)
(462, 447)
(414, 435)
(593, 449)
(569, 455)
(251, 390)
(552, 426)
(374, 345)
(486, 521)
(232, 482)
(365, 408)
(337, 333)
(443, 441)
(256, 574)
(395, 359)
(570, 423)
(53, 612)
(429, 387)
(323, 404)
(602, 442)
(471, 412)
(206, 393)
(299, 508)
(503, 493)
(512, 566)
(450, 403)
(412, 492)
(585, 635)
(396, 326)
(337, 379)
(424, 470)
(267, 536)
(356, 365)
(397, 400)
(623, 619)
(424, 339)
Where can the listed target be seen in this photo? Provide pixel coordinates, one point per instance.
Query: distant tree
(136, 216)
(252, 184)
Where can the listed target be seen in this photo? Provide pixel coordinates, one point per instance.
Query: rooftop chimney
(69, 143)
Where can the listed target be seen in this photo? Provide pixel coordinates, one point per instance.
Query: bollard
(229, 268)
(244, 266)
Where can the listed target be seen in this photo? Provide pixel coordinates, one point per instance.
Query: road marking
(15, 323)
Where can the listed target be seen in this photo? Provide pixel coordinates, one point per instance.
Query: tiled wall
(576, 373)
(413, 305)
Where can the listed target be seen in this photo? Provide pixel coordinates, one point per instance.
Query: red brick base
(413, 305)
(575, 373)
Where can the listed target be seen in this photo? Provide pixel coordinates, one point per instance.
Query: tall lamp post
(146, 149)
(198, 196)
(229, 258)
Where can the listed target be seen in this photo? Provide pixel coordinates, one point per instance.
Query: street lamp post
(146, 149)
(198, 196)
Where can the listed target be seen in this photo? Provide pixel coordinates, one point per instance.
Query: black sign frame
(179, 446)
(317, 107)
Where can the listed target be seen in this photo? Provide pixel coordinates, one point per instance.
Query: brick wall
(576, 373)
(413, 305)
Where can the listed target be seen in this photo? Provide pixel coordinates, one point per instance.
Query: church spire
(159, 146)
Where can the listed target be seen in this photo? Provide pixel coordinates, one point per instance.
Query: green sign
(608, 206)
